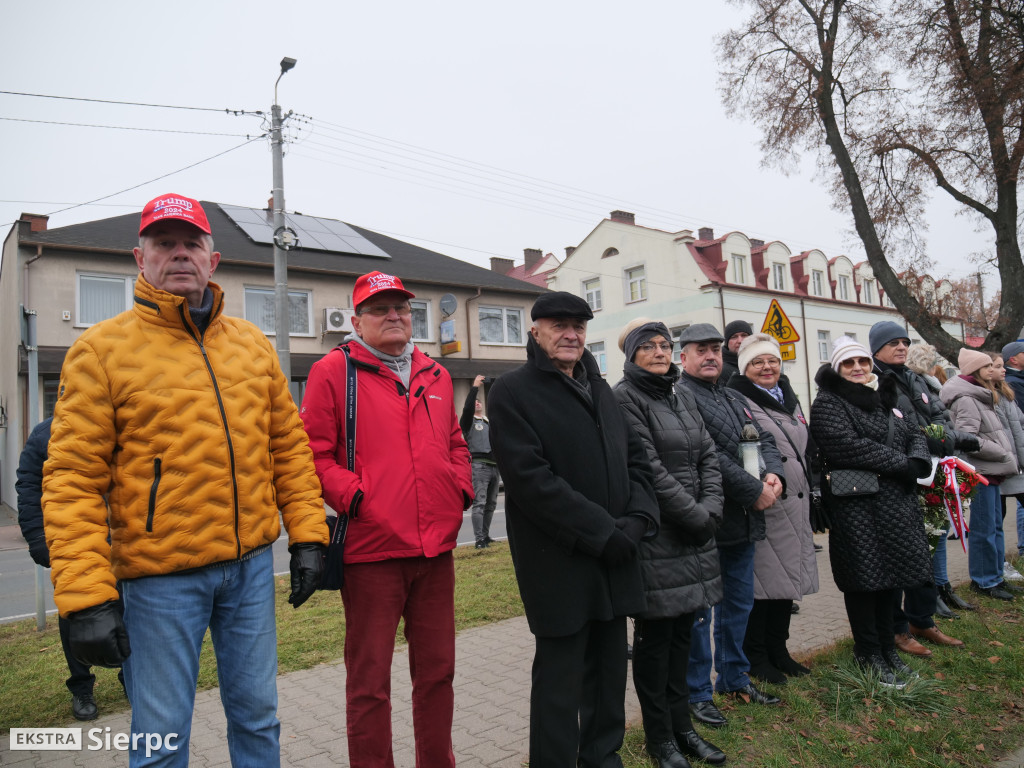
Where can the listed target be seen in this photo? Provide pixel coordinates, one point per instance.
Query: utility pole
(283, 240)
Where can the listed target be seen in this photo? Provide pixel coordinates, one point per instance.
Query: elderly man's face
(562, 339)
(176, 257)
(384, 321)
(703, 360)
(894, 352)
(736, 339)
(1017, 361)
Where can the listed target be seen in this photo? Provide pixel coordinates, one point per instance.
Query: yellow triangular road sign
(776, 324)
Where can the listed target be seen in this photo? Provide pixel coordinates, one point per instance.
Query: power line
(133, 103)
(122, 127)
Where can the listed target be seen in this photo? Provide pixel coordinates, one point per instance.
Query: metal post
(282, 321)
(31, 419)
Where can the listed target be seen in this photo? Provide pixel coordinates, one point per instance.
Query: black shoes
(997, 591)
(953, 600)
(754, 696)
(899, 667)
(667, 755)
(790, 667)
(875, 664)
(767, 672)
(83, 707)
(692, 745)
(942, 610)
(706, 712)
(482, 544)
(1007, 586)
(794, 608)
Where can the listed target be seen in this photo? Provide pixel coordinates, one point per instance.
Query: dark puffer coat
(30, 492)
(916, 399)
(571, 467)
(724, 412)
(680, 565)
(877, 542)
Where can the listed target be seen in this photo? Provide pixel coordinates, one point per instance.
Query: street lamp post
(282, 242)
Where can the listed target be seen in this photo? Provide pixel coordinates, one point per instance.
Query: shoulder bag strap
(350, 410)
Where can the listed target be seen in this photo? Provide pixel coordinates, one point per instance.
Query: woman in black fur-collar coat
(877, 543)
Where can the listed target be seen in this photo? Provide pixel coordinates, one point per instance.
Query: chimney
(568, 250)
(624, 216)
(36, 221)
(500, 265)
(755, 243)
(532, 257)
(705, 233)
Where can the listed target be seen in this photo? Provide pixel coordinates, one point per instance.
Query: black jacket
(724, 412)
(878, 541)
(29, 487)
(1015, 379)
(916, 400)
(730, 366)
(571, 466)
(680, 565)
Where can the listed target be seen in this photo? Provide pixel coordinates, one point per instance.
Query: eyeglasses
(380, 310)
(772, 362)
(898, 343)
(864, 362)
(650, 346)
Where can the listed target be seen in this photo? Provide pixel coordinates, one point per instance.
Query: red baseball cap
(375, 282)
(173, 206)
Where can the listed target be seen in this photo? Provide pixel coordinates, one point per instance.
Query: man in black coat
(725, 413)
(578, 499)
(735, 333)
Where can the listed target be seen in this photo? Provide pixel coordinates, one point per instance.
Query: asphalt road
(18, 572)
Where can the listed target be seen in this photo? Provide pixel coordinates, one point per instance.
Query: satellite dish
(449, 304)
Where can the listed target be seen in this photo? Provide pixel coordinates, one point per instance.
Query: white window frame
(824, 346)
(629, 279)
(843, 287)
(425, 306)
(591, 288)
(867, 292)
(505, 312)
(600, 355)
(739, 268)
(263, 291)
(778, 276)
(817, 282)
(129, 293)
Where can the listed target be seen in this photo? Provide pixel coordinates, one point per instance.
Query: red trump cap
(174, 207)
(375, 282)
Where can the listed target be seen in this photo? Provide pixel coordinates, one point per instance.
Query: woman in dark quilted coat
(877, 543)
(680, 565)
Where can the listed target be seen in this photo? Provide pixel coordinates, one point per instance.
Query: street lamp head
(286, 64)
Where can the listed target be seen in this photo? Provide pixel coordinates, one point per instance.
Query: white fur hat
(753, 346)
(844, 348)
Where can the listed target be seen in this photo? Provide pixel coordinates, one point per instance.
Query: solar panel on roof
(314, 233)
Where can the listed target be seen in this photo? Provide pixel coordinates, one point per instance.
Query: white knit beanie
(754, 346)
(845, 348)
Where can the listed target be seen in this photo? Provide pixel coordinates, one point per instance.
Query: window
(100, 297)
(851, 334)
(817, 282)
(51, 388)
(888, 302)
(597, 350)
(824, 346)
(592, 293)
(867, 292)
(420, 320)
(501, 325)
(260, 308)
(779, 277)
(636, 284)
(609, 253)
(739, 268)
(844, 287)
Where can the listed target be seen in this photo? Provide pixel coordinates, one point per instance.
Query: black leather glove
(97, 636)
(619, 549)
(633, 526)
(968, 443)
(937, 446)
(307, 565)
(916, 468)
(40, 555)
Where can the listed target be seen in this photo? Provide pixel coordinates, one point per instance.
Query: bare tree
(896, 98)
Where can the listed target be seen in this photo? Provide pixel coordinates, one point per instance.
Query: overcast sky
(470, 128)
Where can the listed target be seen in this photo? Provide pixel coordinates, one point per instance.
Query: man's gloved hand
(307, 565)
(619, 549)
(968, 443)
(916, 468)
(937, 446)
(633, 526)
(97, 636)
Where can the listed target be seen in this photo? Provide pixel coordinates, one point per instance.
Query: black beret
(561, 304)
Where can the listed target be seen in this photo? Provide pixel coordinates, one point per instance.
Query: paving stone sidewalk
(492, 687)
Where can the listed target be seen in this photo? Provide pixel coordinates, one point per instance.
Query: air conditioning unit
(337, 320)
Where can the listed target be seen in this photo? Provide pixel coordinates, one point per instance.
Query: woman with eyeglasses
(877, 543)
(785, 566)
(680, 565)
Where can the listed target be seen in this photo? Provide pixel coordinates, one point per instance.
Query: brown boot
(936, 636)
(907, 644)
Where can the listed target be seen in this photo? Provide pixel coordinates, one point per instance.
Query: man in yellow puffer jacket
(175, 435)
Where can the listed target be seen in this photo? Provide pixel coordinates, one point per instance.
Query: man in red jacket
(410, 483)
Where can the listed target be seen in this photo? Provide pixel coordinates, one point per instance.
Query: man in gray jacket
(477, 431)
(725, 413)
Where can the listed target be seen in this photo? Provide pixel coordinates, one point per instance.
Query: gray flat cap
(699, 333)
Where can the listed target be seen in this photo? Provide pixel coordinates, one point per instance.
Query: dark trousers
(577, 703)
(914, 605)
(82, 679)
(870, 615)
(485, 498)
(661, 654)
(768, 632)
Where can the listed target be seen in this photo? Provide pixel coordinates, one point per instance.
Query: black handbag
(852, 482)
(333, 574)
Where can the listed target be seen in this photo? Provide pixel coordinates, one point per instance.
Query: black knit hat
(737, 326)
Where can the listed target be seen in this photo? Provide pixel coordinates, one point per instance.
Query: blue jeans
(1020, 529)
(940, 571)
(986, 545)
(730, 628)
(167, 617)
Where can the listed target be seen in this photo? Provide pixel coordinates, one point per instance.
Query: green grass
(33, 670)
